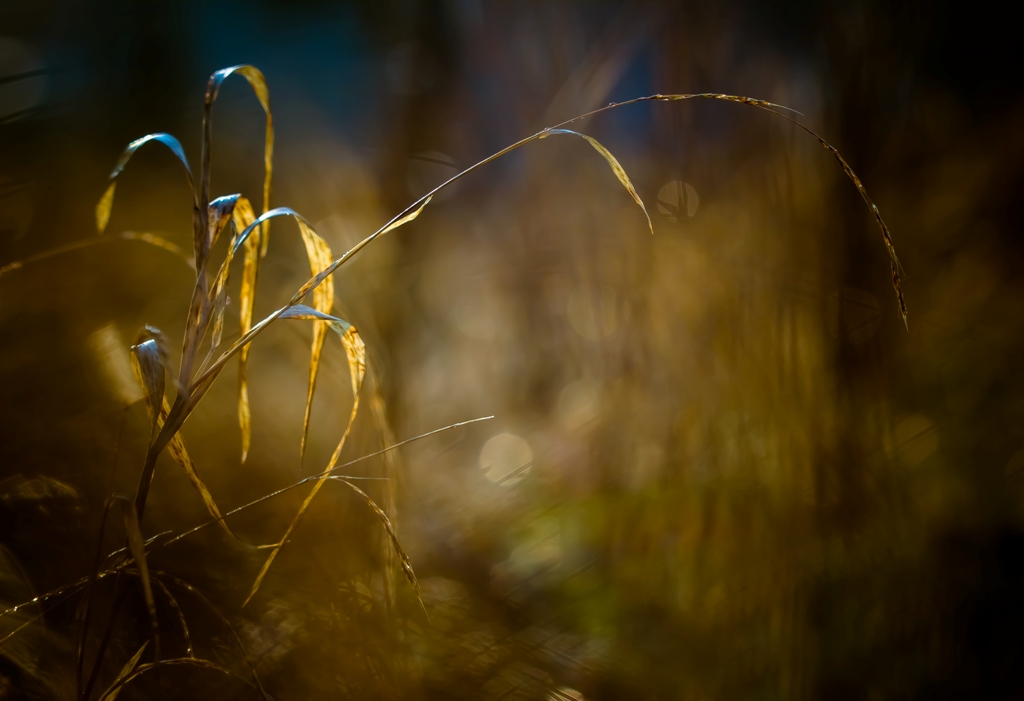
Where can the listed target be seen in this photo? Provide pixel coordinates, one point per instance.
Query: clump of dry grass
(203, 359)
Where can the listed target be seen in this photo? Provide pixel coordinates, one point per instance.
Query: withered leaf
(355, 352)
(106, 202)
(149, 370)
(616, 167)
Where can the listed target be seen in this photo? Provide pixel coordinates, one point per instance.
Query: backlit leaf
(107, 201)
(616, 167)
(408, 217)
(259, 87)
(104, 206)
(244, 218)
(176, 447)
(386, 522)
(218, 215)
(221, 212)
(319, 255)
(355, 352)
(149, 370)
(201, 234)
(240, 210)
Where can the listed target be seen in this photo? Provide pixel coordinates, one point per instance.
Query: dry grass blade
(144, 237)
(129, 666)
(106, 202)
(149, 370)
(407, 218)
(241, 215)
(244, 218)
(616, 167)
(203, 226)
(176, 662)
(163, 345)
(176, 447)
(319, 255)
(219, 214)
(386, 522)
(259, 87)
(773, 108)
(355, 351)
(138, 549)
(302, 312)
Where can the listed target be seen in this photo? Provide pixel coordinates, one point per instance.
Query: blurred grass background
(720, 468)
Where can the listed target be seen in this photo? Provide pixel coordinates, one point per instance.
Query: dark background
(746, 478)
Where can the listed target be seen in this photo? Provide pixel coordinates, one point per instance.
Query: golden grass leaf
(106, 202)
(204, 302)
(386, 522)
(244, 216)
(176, 447)
(319, 255)
(240, 211)
(355, 351)
(773, 108)
(616, 167)
(163, 345)
(408, 217)
(221, 212)
(202, 239)
(149, 370)
(104, 206)
(259, 87)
